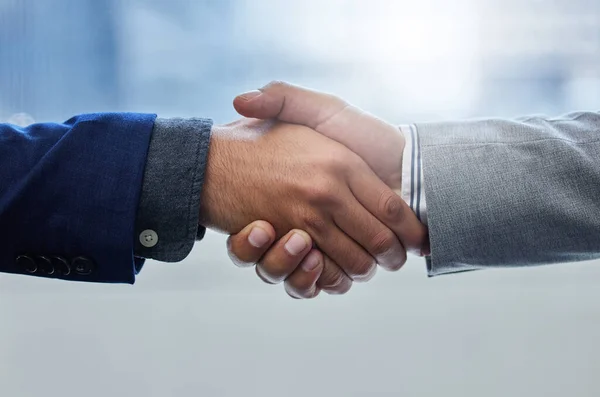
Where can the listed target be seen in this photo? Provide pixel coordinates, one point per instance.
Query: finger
(389, 208)
(375, 237)
(333, 280)
(248, 246)
(284, 256)
(302, 283)
(357, 263)
(289, 103)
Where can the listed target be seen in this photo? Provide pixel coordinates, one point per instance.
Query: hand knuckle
(383, 242)
(341, 161)
(315, 225)
(339, 289)
(331, 279)
(304, 290)
(261, 274)
(275, 272)
(319, 192)
(391, 206)
(362, 269)
(299, 284)
(394, 264)
(238, 256)
(240, 261)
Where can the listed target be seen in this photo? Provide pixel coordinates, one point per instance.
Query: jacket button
(26, 263)
(45, 265)
(61, 265)
(82, 265)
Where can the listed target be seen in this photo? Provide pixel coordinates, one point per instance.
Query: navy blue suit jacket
(69, 195)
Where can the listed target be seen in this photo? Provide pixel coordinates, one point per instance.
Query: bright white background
(205, 328)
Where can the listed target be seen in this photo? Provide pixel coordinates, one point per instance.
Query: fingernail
(296, 244)
(311, 262)
(258, 237)
(250, 95)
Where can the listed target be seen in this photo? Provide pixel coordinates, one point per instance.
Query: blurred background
(205, 328)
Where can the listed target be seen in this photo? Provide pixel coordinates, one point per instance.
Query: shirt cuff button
(148, 238)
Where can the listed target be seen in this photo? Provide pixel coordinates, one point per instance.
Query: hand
(377, 142)
(295, 178)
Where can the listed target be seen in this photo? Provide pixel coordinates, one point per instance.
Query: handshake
(310, 185)
(314, 191)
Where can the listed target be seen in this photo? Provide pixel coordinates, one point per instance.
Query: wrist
(209, 199)
(396, 150)
(223, 192)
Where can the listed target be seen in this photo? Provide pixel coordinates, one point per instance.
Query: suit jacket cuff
(450, 203)
(167, 219)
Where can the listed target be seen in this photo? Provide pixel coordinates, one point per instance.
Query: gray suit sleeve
(169, 204)
(512, 193)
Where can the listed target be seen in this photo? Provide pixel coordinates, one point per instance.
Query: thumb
(289, 103)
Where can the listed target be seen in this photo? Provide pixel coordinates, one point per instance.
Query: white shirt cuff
(413, 189)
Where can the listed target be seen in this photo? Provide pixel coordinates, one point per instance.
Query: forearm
(69, 195)
(512, 193)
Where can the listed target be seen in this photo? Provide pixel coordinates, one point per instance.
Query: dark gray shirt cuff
(167, 219)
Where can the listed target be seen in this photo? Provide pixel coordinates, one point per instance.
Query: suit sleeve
(69, 195)
(506, 193)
